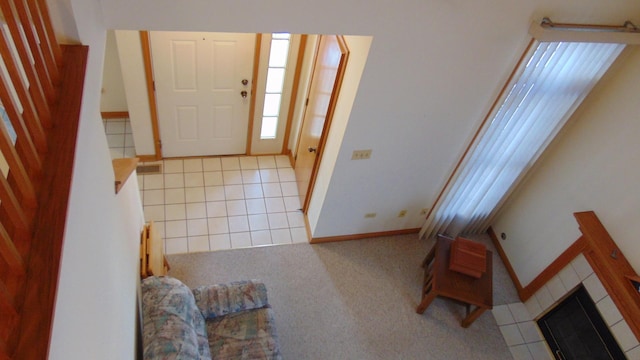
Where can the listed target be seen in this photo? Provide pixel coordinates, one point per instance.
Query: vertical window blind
(543, 93)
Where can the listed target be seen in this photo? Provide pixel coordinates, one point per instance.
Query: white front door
(199, 91)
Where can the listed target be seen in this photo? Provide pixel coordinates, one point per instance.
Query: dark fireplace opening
(574, 329)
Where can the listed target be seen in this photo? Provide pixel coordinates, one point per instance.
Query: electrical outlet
(370, 215)
(424, 211)
(361, 154)
(402, 213)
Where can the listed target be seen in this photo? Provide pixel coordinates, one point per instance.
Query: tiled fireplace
(517, 320)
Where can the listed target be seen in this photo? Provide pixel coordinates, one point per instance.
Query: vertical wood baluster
(47, 52)
(51, 36)
(34, 49)
(36, 88)
(29, 112)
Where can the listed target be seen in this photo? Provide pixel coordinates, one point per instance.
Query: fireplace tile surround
(517, 321)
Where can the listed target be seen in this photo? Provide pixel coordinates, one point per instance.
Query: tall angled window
(275, 84)
(545, 89)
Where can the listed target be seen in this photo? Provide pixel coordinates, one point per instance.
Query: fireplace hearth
(574, 329)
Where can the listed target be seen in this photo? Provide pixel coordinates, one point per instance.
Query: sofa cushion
(219, 300)
(173, 327)
(244, 335)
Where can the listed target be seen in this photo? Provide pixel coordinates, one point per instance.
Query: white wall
(433, 70)
(132, 63)
(96, 300)
(592, 165)
(113, 96)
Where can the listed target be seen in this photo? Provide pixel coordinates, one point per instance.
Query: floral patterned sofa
(231, 321)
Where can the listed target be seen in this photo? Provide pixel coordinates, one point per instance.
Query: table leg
(427, 299)
(472, 316)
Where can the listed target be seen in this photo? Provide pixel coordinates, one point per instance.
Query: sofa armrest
(220, 299)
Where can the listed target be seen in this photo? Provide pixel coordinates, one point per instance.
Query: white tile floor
(224, 203)
(119, 138)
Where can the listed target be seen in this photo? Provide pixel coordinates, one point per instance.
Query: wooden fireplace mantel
(604, 256)
(611, 266)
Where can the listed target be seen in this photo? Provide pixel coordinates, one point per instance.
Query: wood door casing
(328, 71)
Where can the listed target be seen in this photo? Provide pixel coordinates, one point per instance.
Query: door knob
(243, 94)
(312, 149)
(245, 82)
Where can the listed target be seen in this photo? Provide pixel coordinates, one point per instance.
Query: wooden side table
(440, 281)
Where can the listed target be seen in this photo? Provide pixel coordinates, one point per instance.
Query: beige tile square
(503, 315)
(128, 140)
(248, 162)
(520, 312)
(251, 177)
(295, 218)
(176, 246)
(192, 165)
(258, 222)
(256, 206)
(266, 162)
(176, 228)
(116, 140)
(292, 203)
(213, 178)
(175, 212)
(286, 174)
(236, 207)
(140, 181)
(269, 175)
(232, 177)
(253, 191)
(275, 205)
(278, 221)
(198, 243)
(173, 181)
(240, 240)
(197, 210)
(511, 334)
(260, 238)
(281, 236)
(238, 224)
(218, 225)
(173, 166)
(530, 332)
(194, 194)
(153, 197)
(159, 225)
(540, 351)
(282, 161)
(569, 277)
(520, 352)
(216, 208)
(233, 192)
(271, 190)
(115, 127)
(197, 227)
(154, 213)
(230, 163)
(219, 242)
(626, 339)
(299, 235)
(594, 287)
(214, 193)
(129, 152)
(582, 267)
(609, 310)
(174, 196)
(211, 164)
(194, 179)
(289, 188)
(153, 181)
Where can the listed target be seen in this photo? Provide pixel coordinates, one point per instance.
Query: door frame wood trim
(327, 124)
(151, 93)
(254, 84)
(294, 94)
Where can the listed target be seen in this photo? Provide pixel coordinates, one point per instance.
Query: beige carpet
(355, 299)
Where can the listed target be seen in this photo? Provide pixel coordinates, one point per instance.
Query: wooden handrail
(41, 94)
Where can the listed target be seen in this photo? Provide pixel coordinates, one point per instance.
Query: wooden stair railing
(41, 94)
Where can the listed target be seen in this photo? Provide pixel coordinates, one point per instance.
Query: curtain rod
(627, 27)
(548, 31)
